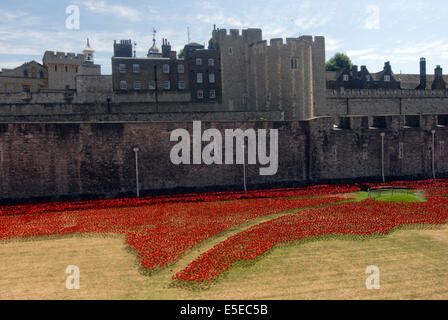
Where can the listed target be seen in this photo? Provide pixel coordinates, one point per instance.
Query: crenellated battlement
(250, 35)
(426, 122)
(290, 42)
(384, 93)
(62, 57)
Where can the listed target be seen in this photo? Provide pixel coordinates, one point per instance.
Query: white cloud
(332, 45)
(362, 52)
(102, 7)
(18, 18)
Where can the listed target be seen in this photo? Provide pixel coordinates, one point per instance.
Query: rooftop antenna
(188, 32)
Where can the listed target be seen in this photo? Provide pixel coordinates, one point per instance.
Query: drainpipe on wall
(382, 134)
(136, 150)
(433, 132)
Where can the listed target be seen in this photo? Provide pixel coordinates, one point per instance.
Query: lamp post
(136, 150)
(108, 104)
(433, 132)
(382, 134)
(244, 167)
(156, 88)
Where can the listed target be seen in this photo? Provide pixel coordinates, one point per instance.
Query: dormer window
(387, 78)
(345, 77)
(368, 77)
(198, 61)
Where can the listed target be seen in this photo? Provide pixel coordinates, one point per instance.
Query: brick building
(159, 72)
(204, 66)
(29, 77)
(194, 78)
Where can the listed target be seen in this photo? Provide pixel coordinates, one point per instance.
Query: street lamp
(244, 167)
(382, 134)
(433, 132)
(136, 150)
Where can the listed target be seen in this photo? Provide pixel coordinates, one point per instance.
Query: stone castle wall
(47, 160)
(377, 102)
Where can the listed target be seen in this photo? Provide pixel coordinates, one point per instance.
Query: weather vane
(154, 31)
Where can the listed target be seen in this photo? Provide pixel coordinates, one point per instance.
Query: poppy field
(161, 230)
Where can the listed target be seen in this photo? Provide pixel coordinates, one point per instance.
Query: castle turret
(88, 53)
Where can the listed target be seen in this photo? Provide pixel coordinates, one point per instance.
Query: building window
(41, 74)
(442, 147)
(400, 150)
(211, 78)
(181, 85)
(137, 85)
(123, 85)
(166, 68)
(136, 68)
(345, 77)
(334, 153)
(211, 62)
(56, 68)
(66, 69)
(230, 50)
(387, 78)
(122, 68)
(26, 88)
(166, 85)
(200, 94)
(199, 77)
(367, 77)
(212, 94)
(25, 73)
(364, 152)
(293, 63)
(180, 68)
(198, 61)
(152, 85)
(76, 69)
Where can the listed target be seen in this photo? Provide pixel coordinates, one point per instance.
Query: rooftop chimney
(439, 83)
(422, 85)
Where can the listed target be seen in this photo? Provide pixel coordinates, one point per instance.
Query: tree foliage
(338, 62)
(181, 53)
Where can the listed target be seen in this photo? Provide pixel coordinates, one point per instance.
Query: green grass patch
(390, 196)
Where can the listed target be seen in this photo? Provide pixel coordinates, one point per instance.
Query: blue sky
(370, 32)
